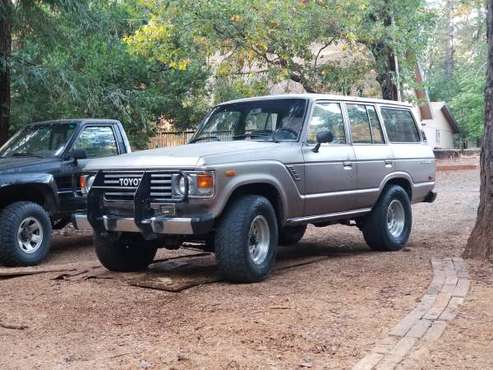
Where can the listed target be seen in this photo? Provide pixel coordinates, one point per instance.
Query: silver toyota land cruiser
(255, 174)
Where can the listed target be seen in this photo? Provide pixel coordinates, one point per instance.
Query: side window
(400, 125)
(97, 141)
(360, 124)
(327, 116)
(376, 129)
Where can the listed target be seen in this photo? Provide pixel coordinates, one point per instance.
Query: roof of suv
(321, 97)
(75, 120)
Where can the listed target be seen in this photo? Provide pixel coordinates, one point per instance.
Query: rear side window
(365, 127)
(360, 124)
(376, 129)
(400, 125)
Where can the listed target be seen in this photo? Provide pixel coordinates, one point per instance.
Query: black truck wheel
(25, 234)
(388, 226)
(246, 240)
(290, 235)
(124, 252)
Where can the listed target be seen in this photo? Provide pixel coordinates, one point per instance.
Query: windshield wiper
(252, 135)
(26, 155)
(204, 138)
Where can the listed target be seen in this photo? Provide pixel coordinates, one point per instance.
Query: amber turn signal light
(205, 181)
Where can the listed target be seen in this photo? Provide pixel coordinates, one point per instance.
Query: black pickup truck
(39, 181)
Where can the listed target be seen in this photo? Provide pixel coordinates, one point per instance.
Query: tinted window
(400, 125)
(376, 129)
(40, 140)
(281, 119)
(327, 116)
(360, 124)
(97, 142)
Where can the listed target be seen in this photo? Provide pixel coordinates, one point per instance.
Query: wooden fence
(174, 138)
(170, 138)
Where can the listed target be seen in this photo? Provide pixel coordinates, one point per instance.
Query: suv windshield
(45, 140)
(276, 120)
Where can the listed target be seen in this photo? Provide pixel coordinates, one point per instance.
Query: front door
(97, 141)
(329, 173)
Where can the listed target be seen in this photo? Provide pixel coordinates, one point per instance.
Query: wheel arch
(37, 193)
(401, 179)
(265, 189)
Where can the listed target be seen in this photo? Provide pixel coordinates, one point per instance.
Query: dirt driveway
(325, 309)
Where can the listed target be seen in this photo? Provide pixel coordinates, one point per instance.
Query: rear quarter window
(400, 125)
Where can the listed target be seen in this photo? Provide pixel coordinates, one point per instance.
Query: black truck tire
(124, 252)
(388, 226)
(25, 234)
(246, 240)
(290, 235)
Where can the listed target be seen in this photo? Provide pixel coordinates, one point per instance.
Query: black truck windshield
(45, 140)
(274, 119)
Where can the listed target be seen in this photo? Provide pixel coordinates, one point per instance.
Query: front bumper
(141, 212)
(158, 225)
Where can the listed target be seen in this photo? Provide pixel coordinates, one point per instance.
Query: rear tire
(25, 234)
(290, 235)
(124, 252)
(246, 240)
(388, 226)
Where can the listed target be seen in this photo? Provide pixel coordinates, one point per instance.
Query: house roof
(450, 118)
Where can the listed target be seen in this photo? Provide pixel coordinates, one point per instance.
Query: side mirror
(77, 154)
(324, 136)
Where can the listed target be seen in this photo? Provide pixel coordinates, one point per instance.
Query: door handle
(388, 163)
(347, 165)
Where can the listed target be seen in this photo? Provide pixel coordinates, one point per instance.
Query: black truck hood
(9, 165)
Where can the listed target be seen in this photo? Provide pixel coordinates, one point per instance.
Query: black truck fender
(37, 187)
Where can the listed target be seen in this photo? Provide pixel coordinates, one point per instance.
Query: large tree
(289, 39)
(21, 17)
(5, 51)
(480, 243)
(72, 62)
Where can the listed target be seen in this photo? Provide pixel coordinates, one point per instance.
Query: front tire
(246, 240)
(124, 252)
(388, 226)
(25, 234)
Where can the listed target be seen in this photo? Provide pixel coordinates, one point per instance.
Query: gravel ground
(325, 314)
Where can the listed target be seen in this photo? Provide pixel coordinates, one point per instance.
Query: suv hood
(195, 155)
(9, 165)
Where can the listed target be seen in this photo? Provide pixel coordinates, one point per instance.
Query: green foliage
(88, 71)
(282, 39)
(464, 90)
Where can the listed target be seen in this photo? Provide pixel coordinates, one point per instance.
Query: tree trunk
(5, 52)
(386, 70)
(480, 243)
(449, 48)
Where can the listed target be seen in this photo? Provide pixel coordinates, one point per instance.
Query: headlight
(86, 182)
(200, 184)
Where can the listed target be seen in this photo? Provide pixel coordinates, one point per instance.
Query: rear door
(374, 157)
(329, 173)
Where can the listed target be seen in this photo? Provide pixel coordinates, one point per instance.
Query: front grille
(121, 186)
(161, 186)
